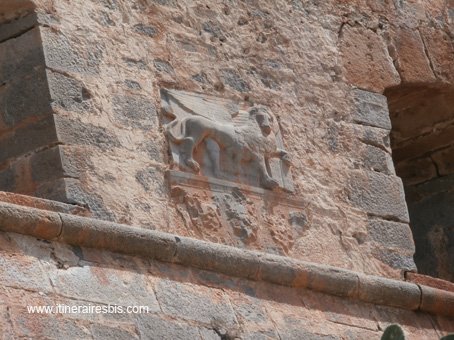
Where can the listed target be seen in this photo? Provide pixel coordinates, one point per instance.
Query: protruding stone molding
(92, 233)
(281, 197)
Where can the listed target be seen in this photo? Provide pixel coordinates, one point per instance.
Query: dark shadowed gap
(422, 141)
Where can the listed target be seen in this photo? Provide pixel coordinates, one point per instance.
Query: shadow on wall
(422, 141)
(12, 9)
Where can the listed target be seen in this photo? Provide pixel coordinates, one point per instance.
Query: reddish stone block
(412, 62)
(440, 49)
(366, 61)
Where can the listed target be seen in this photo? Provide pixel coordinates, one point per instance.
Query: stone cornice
(87, 232)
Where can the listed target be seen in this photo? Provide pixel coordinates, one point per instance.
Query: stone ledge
(43, 204)
(176, 178)
(87, 232)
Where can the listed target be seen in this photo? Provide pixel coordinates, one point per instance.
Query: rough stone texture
(194, 303)
(391, 235)
(105, 65)
(412, 62)
(99, 77)
(366, 60)
(439, 45)
(371, 109)
(185, 303)
(379, 195)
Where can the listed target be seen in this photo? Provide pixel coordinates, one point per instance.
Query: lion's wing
(241, 118)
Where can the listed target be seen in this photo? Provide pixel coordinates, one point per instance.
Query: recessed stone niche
(423, 151)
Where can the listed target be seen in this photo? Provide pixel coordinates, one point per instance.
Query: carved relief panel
(230, 177)
(225, 141)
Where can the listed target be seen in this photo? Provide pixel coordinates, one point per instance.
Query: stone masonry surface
(81, 231)
(81, 124)
(184, 303)
(321, 68)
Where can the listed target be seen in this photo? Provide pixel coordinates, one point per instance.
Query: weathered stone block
(439, 47)
(295, 333)
(23, 271)
(366, 61)
(68, 93)
(371, 109)
(100, 331)
(374, 136)
(412, 62)
(378, 195)
(53, 190)
(135, 111)
(61, 54)
(71, 131)
(391, 234)
(395, 259)
(19, 56)
(103, 285)
(28, 138)
(25, 98)
(48, 326)
(17, 27)
(378, 160)
(155, 328)
(46, 165)
(195, 303)
(76, 193)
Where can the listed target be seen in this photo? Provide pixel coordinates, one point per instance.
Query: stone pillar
(29, 162)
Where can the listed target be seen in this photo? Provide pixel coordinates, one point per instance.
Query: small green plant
(395, 332)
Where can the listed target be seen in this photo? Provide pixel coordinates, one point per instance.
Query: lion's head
(264, 118)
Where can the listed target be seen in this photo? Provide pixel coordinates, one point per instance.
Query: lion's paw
(193, 165)
(269, 183)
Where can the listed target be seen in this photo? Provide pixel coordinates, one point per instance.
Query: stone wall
(183, 303)
(83, 120)
(320, 67)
